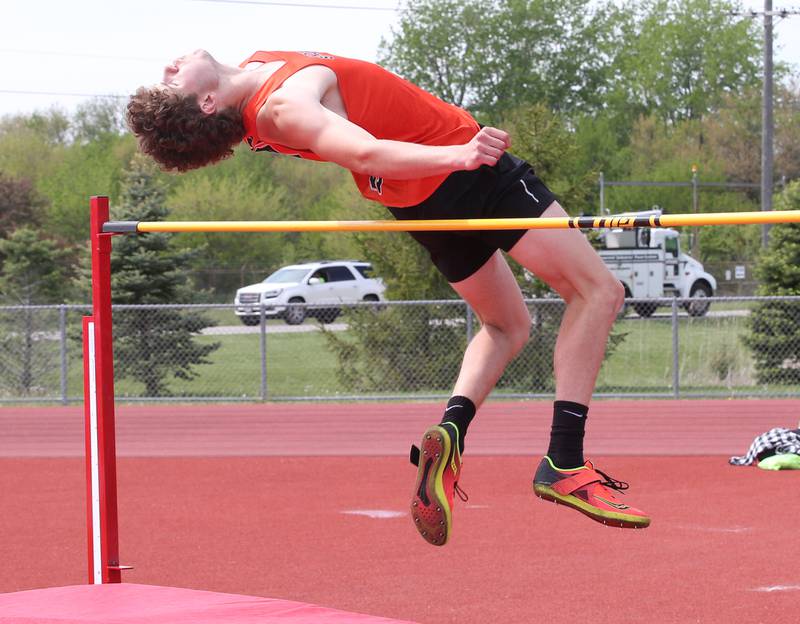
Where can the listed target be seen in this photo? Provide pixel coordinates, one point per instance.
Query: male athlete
(423, 159)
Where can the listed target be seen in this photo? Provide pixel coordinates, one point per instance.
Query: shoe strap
(576, 481)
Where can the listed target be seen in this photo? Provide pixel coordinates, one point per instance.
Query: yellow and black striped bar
(433, 225)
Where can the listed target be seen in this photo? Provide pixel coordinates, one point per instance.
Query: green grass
(297, 365)
(707, 347)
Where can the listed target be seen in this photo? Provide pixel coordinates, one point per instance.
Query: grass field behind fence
(713, 360)
(711, 357)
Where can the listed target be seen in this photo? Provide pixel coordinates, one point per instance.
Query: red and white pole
(98, 386)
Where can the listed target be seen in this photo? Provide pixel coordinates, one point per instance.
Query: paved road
(225, 330)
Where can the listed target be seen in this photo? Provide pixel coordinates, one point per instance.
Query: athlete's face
(193, 73)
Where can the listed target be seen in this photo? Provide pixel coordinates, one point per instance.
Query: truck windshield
(286, 276)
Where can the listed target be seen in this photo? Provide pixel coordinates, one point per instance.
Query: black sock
(566, 435)
(460, 411)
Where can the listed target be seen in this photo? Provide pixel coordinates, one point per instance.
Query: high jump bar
(541, 223)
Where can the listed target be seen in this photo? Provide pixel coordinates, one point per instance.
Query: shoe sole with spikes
(430, 508)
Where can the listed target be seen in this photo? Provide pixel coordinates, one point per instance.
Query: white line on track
(777, 588)
(733, 529)
(377, 514)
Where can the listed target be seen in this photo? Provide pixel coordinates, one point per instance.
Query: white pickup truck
(650, 264)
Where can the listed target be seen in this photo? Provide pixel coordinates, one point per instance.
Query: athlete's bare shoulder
(305, 92)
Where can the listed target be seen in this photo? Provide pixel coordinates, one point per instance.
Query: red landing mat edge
(129, 603)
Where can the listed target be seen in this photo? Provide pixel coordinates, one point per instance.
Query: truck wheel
(295, 314)
(250, 321)
(699, 308)
(623, 310)
(645, 310)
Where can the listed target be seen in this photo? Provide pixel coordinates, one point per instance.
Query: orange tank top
(385, 105)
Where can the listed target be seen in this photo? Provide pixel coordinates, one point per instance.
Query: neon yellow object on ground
(786, 461)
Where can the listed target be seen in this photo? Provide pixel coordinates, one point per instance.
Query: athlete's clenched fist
(486, 147)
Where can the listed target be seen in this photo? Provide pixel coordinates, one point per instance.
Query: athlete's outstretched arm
(299, 120)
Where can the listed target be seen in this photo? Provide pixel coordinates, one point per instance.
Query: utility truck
(650, 264)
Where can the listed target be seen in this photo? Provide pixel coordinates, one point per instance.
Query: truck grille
(248, 298)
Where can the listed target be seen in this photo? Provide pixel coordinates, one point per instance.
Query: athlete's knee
(608, 295)
(519, 331)
(514, 330)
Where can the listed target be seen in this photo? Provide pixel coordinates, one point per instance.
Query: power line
(773, 13)
(301, 5)
(77, 54)
(59, 93)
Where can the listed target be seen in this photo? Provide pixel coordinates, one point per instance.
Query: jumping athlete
(423, 159)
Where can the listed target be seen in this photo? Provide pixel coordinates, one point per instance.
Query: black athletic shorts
(510, 189)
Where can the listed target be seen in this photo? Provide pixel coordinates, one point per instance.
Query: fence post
(62, 327)
(470, 316)
(263, 328)
(676, 375)
(602, 194)
(695, 232)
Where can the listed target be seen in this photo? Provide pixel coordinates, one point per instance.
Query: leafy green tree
(666, 153)
(36, 270)
(680, 58)
(559, 52)
(233, 198)
(261, 187)
(19, 204)
(787, 129)
(733, 135)
(602, 141)
(98, 119)
(153, 344)
(543, 138)
(442, 46)
(53, 125)
(83, 170)
(489, 55)
(27, 150)
(775, 326)
(400, 348)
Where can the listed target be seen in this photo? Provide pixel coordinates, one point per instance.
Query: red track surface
(268, 519)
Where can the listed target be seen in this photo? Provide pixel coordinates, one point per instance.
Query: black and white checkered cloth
(779, 441)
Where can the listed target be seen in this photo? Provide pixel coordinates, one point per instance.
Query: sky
(56, 53)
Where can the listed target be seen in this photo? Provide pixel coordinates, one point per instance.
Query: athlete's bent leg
(566, 261)
(494, 295)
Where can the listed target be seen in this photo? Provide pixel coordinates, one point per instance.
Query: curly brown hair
(177, 134)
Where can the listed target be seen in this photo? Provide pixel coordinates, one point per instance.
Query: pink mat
(128, 603)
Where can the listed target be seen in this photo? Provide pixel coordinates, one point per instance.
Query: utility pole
(767, 122)
(767, 118)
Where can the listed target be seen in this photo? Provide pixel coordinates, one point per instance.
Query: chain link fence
(742, 347)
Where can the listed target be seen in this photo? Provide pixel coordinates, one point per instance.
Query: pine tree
(154, 343)
(775, 326)
(35, 271)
